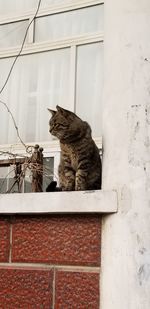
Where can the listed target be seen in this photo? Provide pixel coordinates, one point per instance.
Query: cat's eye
(60, 126)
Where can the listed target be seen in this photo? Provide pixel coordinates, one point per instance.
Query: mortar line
(52, 266)
(54, 287)
(10, 244)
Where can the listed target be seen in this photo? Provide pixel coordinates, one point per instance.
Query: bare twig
(14, 122)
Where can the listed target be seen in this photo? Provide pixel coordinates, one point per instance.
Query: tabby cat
(80, 163)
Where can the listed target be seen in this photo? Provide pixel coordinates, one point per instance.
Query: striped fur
(80, 164)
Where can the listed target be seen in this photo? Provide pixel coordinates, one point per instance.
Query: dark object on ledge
(52, 187)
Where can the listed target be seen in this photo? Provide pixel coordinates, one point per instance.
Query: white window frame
(30, 47)
(51, 148)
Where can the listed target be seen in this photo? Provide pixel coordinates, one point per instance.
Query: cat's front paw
(68, 187)
(80, 188)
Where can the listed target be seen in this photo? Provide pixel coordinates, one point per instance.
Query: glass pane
(12, 184)
(46, 3)
(16, 6)
(28, 181)
(48, 171)
(3, 185)
(37, 82)
(12, 34)
(3, 179)
(89, 85)
(68, 24)
(7, 180)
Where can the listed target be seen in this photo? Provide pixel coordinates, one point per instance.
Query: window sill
(59, 202)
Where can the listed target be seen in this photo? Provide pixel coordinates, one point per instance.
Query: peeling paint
(142, 250)
(144, 273)
(136, 129)
(146, 59)
(135, 106)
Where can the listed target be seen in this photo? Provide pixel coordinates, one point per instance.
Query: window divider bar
(50, 10)
(47, 46)
(50, 148)
(31, 31)
(73, 77)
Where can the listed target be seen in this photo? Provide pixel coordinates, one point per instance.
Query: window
(61, 63)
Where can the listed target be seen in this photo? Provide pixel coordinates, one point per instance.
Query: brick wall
(50, 261)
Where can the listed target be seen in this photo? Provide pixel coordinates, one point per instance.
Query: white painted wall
(125, 279)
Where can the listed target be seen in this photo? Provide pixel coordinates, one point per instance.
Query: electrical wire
(9, 74)
(20, 51)
(14, 122)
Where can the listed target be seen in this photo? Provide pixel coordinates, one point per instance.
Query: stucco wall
(125, 281)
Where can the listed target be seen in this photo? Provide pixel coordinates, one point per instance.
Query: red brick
(4, 239)
(73, 240)
(77, 290)
(25, 289)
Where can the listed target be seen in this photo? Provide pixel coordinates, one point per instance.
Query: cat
(80, 163)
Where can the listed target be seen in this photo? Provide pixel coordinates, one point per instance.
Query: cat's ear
(63, 111)
(60, 109)
(52, 112)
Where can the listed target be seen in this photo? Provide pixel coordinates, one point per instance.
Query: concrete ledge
(59, 202)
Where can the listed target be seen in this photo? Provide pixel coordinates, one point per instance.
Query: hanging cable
(28, 150)
(22, 45)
